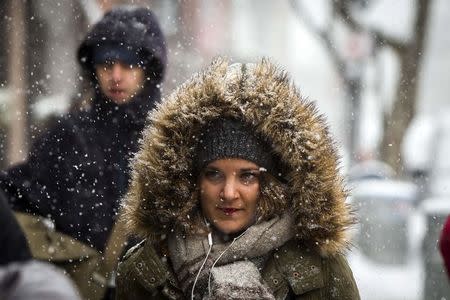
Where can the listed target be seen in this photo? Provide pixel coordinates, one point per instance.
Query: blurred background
(378, 70)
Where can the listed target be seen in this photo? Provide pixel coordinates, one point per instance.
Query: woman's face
(229, 192)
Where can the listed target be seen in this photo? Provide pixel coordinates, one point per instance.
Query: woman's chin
(230, 229)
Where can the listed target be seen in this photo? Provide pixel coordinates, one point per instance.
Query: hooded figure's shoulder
(57, 134)
(63, 136)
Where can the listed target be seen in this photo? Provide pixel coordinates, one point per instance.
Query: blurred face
(118, 81)
(229, 194)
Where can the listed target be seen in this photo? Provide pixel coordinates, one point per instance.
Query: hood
(132, 26)
(163, 185)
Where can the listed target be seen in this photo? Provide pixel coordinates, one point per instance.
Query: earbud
(206, 221)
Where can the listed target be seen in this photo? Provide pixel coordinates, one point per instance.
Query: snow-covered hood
(162, 186)
(130, 25)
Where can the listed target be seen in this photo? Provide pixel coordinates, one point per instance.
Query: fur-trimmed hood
(162, 186)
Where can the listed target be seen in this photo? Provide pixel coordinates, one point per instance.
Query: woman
(236, 190)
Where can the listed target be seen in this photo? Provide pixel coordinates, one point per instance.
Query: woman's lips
(228, 211)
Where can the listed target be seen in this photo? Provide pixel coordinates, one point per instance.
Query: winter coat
(292, 272)
(444, 244)
(14, 247)
(309, 266)
(78, 169)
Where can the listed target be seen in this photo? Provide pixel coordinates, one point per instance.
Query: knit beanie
(231, 138)
(117, 52)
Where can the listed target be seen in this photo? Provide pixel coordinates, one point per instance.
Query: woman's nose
(229, 191)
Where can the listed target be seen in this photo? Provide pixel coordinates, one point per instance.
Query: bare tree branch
(324, 35)
(420, 25)
(343, 9)
(409, 52)
(405, 102)
(381, 40)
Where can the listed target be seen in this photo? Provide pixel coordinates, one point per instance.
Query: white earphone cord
(203, 264)
(220, 256)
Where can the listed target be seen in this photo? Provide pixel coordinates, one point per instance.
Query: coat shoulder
(62, 135)
(302, 270)
(143, 274)
(341, 283)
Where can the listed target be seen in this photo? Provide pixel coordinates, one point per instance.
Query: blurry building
(38, 71)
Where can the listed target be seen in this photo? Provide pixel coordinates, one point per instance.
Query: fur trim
(162, 187)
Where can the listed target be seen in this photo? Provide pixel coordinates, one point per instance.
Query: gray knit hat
(231, 138)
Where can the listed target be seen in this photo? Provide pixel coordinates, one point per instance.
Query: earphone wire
(220, 256)
(203, 265)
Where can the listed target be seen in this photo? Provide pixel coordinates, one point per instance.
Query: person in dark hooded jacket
(237, 193)
(78, 169)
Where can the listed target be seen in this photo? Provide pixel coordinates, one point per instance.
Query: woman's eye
(213, 175)
(249, 177)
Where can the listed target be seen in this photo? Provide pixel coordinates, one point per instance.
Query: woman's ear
(274, 197)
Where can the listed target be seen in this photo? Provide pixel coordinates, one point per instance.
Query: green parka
(312, 265)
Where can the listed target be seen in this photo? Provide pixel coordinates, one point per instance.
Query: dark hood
(260, 94)
(132, 26)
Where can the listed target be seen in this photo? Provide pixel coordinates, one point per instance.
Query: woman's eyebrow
(211, 167)
(250, 170)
